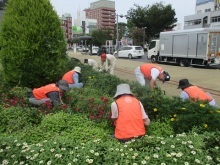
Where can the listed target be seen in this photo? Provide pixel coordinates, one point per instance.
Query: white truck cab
(153, 50)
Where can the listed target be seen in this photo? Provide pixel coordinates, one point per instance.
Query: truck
(192, 47)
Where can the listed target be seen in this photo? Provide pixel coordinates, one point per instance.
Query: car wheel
(130, 56)
(153, 59)
(184, 63)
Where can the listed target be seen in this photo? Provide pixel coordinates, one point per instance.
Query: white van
(130, 52)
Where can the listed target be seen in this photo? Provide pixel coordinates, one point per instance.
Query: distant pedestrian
(108, 62)
(128, 114)
(72, 77)
(92, 63)
(51, 92)
(147, 74)
(194, 93)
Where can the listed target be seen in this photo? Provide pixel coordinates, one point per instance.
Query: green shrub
(15, 119)
(32, 44)
(65, 126)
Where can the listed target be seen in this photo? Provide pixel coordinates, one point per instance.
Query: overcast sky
(182, 7)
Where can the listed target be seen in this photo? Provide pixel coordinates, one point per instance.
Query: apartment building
(66, 21)
(104, 12)
(207, 14)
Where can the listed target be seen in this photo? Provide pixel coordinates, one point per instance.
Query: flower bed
(80, 132)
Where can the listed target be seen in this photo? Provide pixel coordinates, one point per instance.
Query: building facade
(207, 15)
(90, 24)
(66, 21)
(104, 12)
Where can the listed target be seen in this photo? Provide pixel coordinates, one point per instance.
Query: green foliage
(100, 36)
(156, 18)
(65, 126)
(180, 149)
(80, 131)
(160, 128)
(14, 119)
(33, 44)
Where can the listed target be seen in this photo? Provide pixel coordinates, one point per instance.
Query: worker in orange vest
(128, 114)
(147, 74)
(51, 92)
(72, 77)
(194, 93)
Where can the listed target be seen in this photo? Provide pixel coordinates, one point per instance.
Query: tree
(154, 19)
(33, 44)
(122, 30)
(100, 36)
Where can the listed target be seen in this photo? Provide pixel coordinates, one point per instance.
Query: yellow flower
(183, 108)
(174, 115)
(202, 105)
(205, 125)
(172, 119)
(155, 109)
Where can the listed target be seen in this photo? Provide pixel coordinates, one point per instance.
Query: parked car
(79, 48)
(130, 52)
(95, 50)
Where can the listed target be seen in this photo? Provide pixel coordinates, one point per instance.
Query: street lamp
(117, 33)
(144, 35)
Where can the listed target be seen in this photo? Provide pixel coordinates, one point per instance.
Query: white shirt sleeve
(114, 110)
(154, 73)
(184, 95)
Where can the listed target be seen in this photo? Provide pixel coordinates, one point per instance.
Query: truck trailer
(194, 47)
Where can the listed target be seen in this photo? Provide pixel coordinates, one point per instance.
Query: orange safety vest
(129, 123)
(195, 93)
(41, 93)
(146, 69)
(69, 76)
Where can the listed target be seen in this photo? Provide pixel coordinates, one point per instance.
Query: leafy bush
(65, 126)
(32, 44)
(15, 119)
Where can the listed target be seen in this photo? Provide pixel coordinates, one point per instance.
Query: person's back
(93, 63)
(130, 122)
(72, 77)
(194, 93)
(128, 114)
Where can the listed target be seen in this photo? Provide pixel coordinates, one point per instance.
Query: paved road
(208, 79)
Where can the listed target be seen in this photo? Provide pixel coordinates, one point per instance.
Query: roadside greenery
(32, 43)
(80, 131)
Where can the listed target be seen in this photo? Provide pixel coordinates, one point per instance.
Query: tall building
(66, 21)
(207, 14)
(104, 12)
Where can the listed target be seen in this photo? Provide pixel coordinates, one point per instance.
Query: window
(152, 44)
(207, 10)
(138, 48)
(216, 19)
